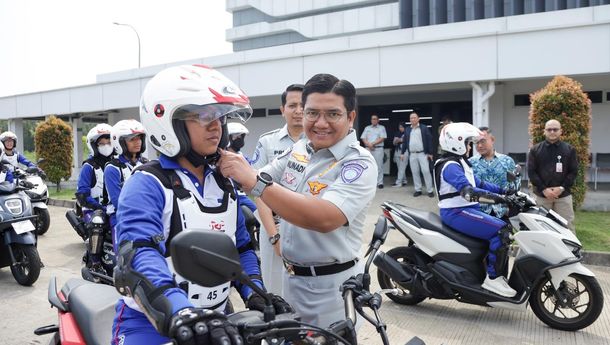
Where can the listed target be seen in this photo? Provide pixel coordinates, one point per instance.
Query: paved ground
(436, 322)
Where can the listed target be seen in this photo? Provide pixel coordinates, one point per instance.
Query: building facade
(472, 60)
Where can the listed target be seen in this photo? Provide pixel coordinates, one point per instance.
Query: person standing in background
(373, 137)
(552, 167)
(418, 141)
(491, 166)
(269, 146)
(401, 162)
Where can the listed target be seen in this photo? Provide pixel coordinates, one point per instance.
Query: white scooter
(39, 196)
(439, 262)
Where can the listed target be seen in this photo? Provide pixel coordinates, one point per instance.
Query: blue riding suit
(17, 158)
(466, 216)
(116, 172)
(90, 186)
(145, 210)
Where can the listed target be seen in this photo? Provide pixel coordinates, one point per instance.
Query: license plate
(23, 226)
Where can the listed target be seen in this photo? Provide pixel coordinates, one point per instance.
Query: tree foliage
(562, 99)
(54, 143)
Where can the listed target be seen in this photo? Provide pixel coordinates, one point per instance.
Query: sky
(50, 44)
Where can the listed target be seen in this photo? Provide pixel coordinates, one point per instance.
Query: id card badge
(558, 165)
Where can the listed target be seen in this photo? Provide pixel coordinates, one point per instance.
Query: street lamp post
(138, 36)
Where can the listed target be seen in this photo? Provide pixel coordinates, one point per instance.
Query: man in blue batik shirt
(491, 166)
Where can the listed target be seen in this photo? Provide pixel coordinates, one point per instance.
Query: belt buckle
(289, 268)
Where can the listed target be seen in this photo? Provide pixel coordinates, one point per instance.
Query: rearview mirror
(207, 258)
(381, 229)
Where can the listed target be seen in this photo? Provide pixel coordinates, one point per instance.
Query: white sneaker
(498, 286)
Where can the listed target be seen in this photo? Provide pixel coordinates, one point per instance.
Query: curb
(62, 203)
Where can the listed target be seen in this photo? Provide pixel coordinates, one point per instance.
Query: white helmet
(182, 90)
(237, 128)
(455, 136)
(100, 130)
(9, 135)
(123, 131)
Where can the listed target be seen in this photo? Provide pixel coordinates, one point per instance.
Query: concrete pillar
(481, 92)
(77, 134)
(16, 126)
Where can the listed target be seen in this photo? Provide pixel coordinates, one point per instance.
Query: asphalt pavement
(435, 321)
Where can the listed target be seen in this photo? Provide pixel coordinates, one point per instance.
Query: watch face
(266, 177)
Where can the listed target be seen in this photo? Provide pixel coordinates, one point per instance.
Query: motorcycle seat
(93, 308)
(432, 221)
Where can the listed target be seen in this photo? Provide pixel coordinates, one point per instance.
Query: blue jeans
(473, 222)
(132, 327)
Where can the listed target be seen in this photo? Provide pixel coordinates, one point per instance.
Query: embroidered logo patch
(300, 158)
(352, 171)
(316, 187)
(288, 178)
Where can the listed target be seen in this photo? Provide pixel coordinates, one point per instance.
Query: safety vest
(448, 196)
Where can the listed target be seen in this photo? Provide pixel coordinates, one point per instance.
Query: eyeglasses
(330, 116)
(552, 129)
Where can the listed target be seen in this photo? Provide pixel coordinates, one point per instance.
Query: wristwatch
(273, 239)
(263, 180)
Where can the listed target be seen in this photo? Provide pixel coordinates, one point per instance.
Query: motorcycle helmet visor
(206, 114)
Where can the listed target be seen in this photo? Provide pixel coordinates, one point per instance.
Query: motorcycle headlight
(97, 220)
(574, 247)
(15, 206)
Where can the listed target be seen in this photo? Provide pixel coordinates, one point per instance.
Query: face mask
(237, 143)
(105, 150)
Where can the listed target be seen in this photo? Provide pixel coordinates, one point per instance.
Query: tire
(43, 221)
(585, 302)
(402, 255)
(27, 270)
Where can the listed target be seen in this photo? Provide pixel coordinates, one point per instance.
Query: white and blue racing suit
(145, 213)
(466, 216)
(90, 186)
(114, 179)
(15, 159)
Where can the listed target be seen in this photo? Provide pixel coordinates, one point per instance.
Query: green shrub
(54, 143)
(563, 99)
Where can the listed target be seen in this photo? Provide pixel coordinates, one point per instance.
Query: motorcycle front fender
(40, 205)
(10, 236)
(560, 273)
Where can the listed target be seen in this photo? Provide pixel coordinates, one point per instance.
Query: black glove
(42, 174)
(257, 302)
(510, 191)
(27, 184)
(195, 326)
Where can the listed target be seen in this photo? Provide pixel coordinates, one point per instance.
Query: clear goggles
(206, 114)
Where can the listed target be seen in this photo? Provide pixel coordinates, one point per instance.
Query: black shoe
(380, 186)
(431, 195)
(416, 194)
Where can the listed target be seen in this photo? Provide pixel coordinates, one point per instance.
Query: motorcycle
(39, 196)
(18, 243)
(439, 262)
(98, 226)
(86, 310)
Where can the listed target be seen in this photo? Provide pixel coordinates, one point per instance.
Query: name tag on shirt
(558, 167)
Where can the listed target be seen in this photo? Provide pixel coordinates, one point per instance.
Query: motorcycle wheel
(584, 302)
(27, 269)
(401, 255)
(43, 221)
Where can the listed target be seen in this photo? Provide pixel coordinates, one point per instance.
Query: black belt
(310, 271)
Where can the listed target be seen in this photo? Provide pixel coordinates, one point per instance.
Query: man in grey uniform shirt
(373, 137)
(418, 140)
(321, 188)
(269, 146)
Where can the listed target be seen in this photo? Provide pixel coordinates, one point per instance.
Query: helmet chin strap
(198, 160)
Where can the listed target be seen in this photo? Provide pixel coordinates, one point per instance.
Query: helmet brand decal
(240, 99)
(159, 110)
